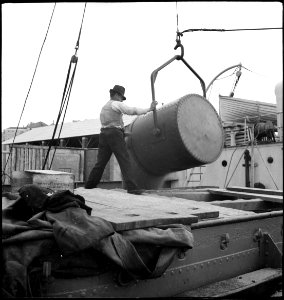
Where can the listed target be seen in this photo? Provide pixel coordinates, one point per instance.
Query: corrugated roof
(69, 130)
(236, 110)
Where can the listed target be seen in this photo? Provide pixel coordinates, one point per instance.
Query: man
(111, 139)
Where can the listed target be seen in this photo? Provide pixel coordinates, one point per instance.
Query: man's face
(119, 97)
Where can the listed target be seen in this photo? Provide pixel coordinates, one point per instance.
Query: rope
(69, 93)
(267, 168)
(79, 36)
(211, 87)
(11, 148)
(235, 167)
(64, 102)
(227, 76)
(59, 115)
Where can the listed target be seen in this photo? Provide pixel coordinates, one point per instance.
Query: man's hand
(153, 105)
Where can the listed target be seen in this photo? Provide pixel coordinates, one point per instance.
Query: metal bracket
(225, 239)
(272, 256)
(258, 235)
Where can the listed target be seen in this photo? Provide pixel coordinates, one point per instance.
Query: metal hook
(179, 45)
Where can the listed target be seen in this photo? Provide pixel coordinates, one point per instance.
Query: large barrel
(191, 134)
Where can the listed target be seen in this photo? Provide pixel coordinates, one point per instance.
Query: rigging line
(223, 30)
(267, 168)
(73, 59)
(30, 84)
(211, 88)
(226, 76)
(59, 114)
(255, 72)
(236, 166)
(68, 97)
(177, 16)
(79, 36)
(229, 166)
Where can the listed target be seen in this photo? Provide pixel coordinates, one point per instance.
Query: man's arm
(123, 108)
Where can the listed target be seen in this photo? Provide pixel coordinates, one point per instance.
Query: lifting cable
(11, 147)
(66, 96)
(224, 30)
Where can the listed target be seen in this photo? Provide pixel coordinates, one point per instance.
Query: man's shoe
(135, 192)
(89, 187)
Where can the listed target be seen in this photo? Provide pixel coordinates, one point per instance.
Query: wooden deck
(127, 211)
(153, 208)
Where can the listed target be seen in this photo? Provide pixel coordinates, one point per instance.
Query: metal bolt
(83, 294)
(227, 258)
(181, 255)
(180, 270)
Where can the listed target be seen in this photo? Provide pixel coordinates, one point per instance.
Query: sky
(123, 43)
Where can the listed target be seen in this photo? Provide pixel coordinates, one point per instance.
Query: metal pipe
(154, 74)
(239, 65)
(200, 79)
(232, 220)
(247, 158)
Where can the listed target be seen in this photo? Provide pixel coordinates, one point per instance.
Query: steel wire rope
(74, 59)
(177, 17)
(68, 97)
(266, 167)
(11, 148)
(59, 114)
(226, 76)
(235, 166)
(211, 87)
(224, 30)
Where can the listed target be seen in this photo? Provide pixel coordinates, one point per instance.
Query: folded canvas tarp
(58, 228)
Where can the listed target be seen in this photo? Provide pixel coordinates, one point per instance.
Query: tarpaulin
(61, 223)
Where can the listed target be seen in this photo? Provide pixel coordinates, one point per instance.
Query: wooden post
(62, 143)
(84, 142)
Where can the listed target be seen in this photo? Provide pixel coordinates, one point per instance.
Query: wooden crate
(54, 180)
